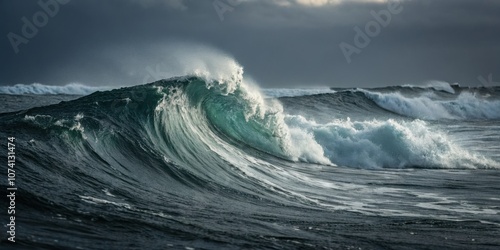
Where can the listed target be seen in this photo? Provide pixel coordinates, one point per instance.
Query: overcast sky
(280, 43)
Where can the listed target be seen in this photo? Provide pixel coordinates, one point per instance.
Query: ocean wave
(41, 89)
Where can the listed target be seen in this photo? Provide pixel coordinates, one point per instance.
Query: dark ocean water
(187, 163)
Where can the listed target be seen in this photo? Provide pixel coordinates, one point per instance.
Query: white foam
(303, 146)
(188, 59)
(393, 144)
(41, 89)
(33, 118)
(93, 200)
(296, 143)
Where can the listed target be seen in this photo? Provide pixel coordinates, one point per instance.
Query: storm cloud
(280, 43)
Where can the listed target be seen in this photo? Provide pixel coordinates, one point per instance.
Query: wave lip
(41, 89)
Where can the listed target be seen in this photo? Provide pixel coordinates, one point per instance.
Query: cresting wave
(204, 121)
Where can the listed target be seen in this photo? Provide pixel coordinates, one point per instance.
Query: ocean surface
(198, 163)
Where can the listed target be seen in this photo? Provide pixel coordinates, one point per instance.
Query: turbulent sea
(200, 163)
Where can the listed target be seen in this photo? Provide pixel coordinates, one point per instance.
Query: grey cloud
(113, 42)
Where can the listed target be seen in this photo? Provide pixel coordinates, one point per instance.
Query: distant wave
(436, 85)
(41, 89)
(276, 93)
(429, 106)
